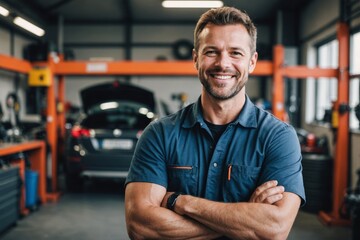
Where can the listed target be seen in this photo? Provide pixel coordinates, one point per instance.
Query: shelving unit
(22, 66)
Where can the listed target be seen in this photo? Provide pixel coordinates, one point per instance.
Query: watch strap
(170, 204)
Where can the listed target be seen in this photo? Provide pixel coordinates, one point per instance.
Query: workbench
(36, 152)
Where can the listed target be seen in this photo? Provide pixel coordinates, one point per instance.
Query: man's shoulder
(268, 122)
(176, 118)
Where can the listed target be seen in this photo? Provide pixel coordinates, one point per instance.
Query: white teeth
(222, 77)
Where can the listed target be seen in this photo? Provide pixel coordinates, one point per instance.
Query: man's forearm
(146, 219)
(161, 223)
(240, 220)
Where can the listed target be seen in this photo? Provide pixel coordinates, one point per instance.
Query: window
(354, 93)
(326, 88)
(323, 91)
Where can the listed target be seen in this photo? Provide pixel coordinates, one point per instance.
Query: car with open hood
(102, 141)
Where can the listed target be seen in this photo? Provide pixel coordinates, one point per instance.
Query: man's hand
(269, 192)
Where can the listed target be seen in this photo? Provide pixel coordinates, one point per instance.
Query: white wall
(7, 79)
(162, 33)
(6, 86)
(94, 33)
(5, 41)
(317, 14)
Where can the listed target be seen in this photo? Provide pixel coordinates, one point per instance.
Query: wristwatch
(170, 204)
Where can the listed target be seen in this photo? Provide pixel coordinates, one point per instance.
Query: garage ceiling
(139, 11)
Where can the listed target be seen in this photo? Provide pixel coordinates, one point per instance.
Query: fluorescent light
(4, 11)
(192, 4)
(29, 26)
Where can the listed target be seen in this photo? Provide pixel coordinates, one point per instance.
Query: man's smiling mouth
(222, 77)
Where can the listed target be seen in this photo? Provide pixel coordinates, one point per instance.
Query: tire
(317, 175)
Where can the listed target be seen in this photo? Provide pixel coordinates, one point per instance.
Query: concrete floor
(98, 213)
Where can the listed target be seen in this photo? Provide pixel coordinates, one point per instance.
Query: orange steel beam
(10, 148)
(14, 64)
(184, 68)
(278, 83)
(38, 163)
(51, 124)
(126, 68)
(305, 72)
(20, 163)
(51, 128)
(263, 68)
(340, 174)
(61, 106)
(61, 121)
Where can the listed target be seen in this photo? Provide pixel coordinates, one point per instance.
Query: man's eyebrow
(238, 48)
(210, 47)
(207, 48)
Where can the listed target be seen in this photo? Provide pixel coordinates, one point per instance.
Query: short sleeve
(283, 162)
(148, 164)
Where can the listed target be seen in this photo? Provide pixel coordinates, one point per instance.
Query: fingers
(260, 190)
(268, 193)
(273, 198)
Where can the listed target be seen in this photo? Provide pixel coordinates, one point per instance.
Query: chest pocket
(183, 179)
(240, 183)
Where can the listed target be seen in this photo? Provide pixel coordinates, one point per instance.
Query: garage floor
(98, 213)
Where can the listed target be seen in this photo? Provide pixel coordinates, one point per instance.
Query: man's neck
(222, 111)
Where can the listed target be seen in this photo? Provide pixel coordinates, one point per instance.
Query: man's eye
(237, 54)
(210, 53)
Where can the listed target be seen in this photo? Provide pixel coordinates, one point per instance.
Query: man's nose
(223, 60)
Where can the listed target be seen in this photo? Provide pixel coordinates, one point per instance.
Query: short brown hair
(225, 16)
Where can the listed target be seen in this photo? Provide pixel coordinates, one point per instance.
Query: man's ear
(253, 61)
(195, 58)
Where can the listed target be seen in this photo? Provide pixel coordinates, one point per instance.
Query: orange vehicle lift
(275, 68)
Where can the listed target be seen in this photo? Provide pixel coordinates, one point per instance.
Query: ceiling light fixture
(4, 11)
(29, 26)
(192, 4)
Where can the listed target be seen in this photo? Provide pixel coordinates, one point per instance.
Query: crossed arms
(269, 214)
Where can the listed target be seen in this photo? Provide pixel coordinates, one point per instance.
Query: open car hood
(115, 91)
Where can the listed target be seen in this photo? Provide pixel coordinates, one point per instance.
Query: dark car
(102, 142)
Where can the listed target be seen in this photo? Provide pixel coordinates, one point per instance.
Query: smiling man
(221, 168)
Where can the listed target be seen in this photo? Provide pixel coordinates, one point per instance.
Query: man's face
(224, 60)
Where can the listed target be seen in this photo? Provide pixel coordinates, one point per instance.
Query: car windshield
(124, 115)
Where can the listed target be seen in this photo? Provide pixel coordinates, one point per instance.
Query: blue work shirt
(179, 153)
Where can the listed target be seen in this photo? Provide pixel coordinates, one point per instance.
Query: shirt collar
(246, 118)
(194, 115)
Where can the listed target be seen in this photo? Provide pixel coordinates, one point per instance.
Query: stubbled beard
(232, 92)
